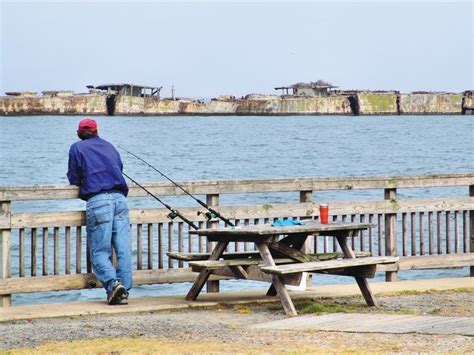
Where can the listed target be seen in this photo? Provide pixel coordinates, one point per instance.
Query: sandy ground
(226, 330)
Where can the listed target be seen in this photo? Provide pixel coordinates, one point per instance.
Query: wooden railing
(45, 251)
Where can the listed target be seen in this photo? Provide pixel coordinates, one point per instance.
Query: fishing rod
(173, 212)
(212, 213)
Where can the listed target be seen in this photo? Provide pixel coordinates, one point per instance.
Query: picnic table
(286, 243)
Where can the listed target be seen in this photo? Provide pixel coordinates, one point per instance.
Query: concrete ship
(314, 98)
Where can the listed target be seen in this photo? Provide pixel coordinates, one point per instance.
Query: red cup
(324, 213)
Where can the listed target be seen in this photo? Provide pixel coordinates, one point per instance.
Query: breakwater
(337, 103)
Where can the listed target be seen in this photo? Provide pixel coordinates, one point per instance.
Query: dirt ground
(226, 330)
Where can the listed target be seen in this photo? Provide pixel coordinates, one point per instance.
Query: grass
(356, 305)
(429, 292)
(108, 346)
(123, 346)
(322, 306)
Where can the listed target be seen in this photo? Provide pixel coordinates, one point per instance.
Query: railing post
(307, 197)
(5, 248)
(471, 232)
(212, 200)
(390, 233)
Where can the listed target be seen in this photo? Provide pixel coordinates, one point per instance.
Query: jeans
(108, 225)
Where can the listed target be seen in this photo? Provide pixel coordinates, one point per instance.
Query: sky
(207, 49)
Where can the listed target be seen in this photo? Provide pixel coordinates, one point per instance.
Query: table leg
(204, 274)
(294, 241)
(361, 281)
(276, 281)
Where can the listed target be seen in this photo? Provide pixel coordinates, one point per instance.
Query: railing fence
(49, 251)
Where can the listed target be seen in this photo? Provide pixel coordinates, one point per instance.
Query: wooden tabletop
(309, 227)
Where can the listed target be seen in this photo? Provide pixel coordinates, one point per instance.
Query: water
(34, 150)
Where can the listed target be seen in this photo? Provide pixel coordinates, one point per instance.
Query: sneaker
(115, 297)
(124, 300)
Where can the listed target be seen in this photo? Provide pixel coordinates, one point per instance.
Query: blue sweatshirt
(95, 166)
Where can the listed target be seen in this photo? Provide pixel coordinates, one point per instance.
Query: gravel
(229, 325)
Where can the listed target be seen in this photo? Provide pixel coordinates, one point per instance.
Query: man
(95, 166)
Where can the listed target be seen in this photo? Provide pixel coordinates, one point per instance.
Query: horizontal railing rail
(47, 250)
(45, 219)
(65, 192)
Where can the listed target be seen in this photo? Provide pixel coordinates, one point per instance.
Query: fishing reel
(173, 214)
(208, 215)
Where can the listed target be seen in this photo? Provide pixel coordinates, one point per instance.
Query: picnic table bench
(248, 265)
(282, 258)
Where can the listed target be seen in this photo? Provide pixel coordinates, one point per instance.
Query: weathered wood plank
(390, 226)
(438, 232)
(254, 273)
(456, 232)
(205, 256)
(448, 232)
(328, 265)
(404, 234)
(205, 274)
(430, 233)
(366, 271)
(160, 245)
(67, 250)
(137, 216)
(78, 250)
(19, 193)
(218, 264)
(422, 234)
(56, 251)
(371, 235)
(465, 232)
(361, 281)
(471, 227)
(21, 252)
(277, 282)
(239, 272)
(379, 234)
(44, 256)
(212, 200)
(150, 246)
(5, 250)
(88, 257)
(139, 246)
(253, 254)
(412, 234)
(289, 252)
(258, 232)
(84, 281)
(170, 244)
(435, 261)
(256, 260)
(180, 241)
(33, 252)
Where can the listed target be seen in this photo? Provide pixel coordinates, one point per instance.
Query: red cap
(87, 125)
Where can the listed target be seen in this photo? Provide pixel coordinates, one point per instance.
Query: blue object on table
(286, 223)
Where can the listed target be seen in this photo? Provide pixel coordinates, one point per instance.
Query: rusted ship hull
(350, 103)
